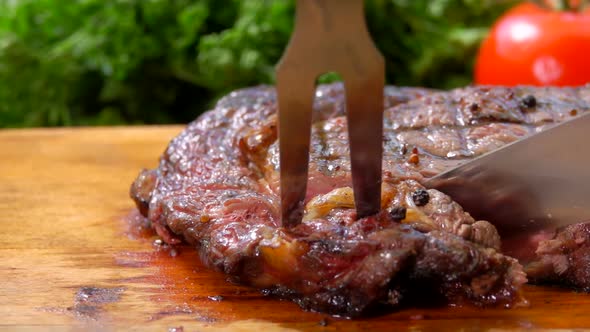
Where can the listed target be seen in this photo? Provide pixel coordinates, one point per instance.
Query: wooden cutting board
(73, 254)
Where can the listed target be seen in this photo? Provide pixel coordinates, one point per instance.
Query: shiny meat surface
(565, 258)
(217, 188)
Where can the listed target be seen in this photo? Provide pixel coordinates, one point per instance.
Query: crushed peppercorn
(529, 101)
(404, 149)
(398, 213)
(420, 197)
(414, 157)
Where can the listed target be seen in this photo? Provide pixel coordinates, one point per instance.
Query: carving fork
(330, 36)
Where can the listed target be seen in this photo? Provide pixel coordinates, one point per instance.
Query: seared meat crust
(216, 187)
(565, 258)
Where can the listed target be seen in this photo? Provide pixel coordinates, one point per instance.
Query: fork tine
(330, 35)
(295, 101)
(364, 112)
(364, 81)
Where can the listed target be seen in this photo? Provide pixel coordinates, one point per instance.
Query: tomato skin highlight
(530, 45)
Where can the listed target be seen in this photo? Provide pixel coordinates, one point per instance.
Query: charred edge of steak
(564, 259)
(142, 188)
(471, 273)
(405, 264)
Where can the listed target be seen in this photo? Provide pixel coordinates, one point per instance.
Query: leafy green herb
(99, 62)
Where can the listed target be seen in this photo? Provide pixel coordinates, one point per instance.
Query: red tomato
(536, 46)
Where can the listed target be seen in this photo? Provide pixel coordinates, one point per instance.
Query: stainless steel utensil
(330, 35)
(542, 181)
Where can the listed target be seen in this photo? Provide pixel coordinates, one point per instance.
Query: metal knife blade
(539, 182)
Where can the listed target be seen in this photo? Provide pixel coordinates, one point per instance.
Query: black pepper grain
(404, 149)
(529, 101)
(474, 107)
(420, 197)
(398, 213)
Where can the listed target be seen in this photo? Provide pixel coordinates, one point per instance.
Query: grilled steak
(217, 188)
(565, 258)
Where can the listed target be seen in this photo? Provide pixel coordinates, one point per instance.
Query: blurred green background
(104, 62)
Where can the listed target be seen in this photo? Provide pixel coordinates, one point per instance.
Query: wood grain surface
(75, 255)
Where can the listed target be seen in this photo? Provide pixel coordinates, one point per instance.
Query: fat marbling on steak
(217, 187)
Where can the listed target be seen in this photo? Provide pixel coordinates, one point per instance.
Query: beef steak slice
(565, 258)
(217, 187)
